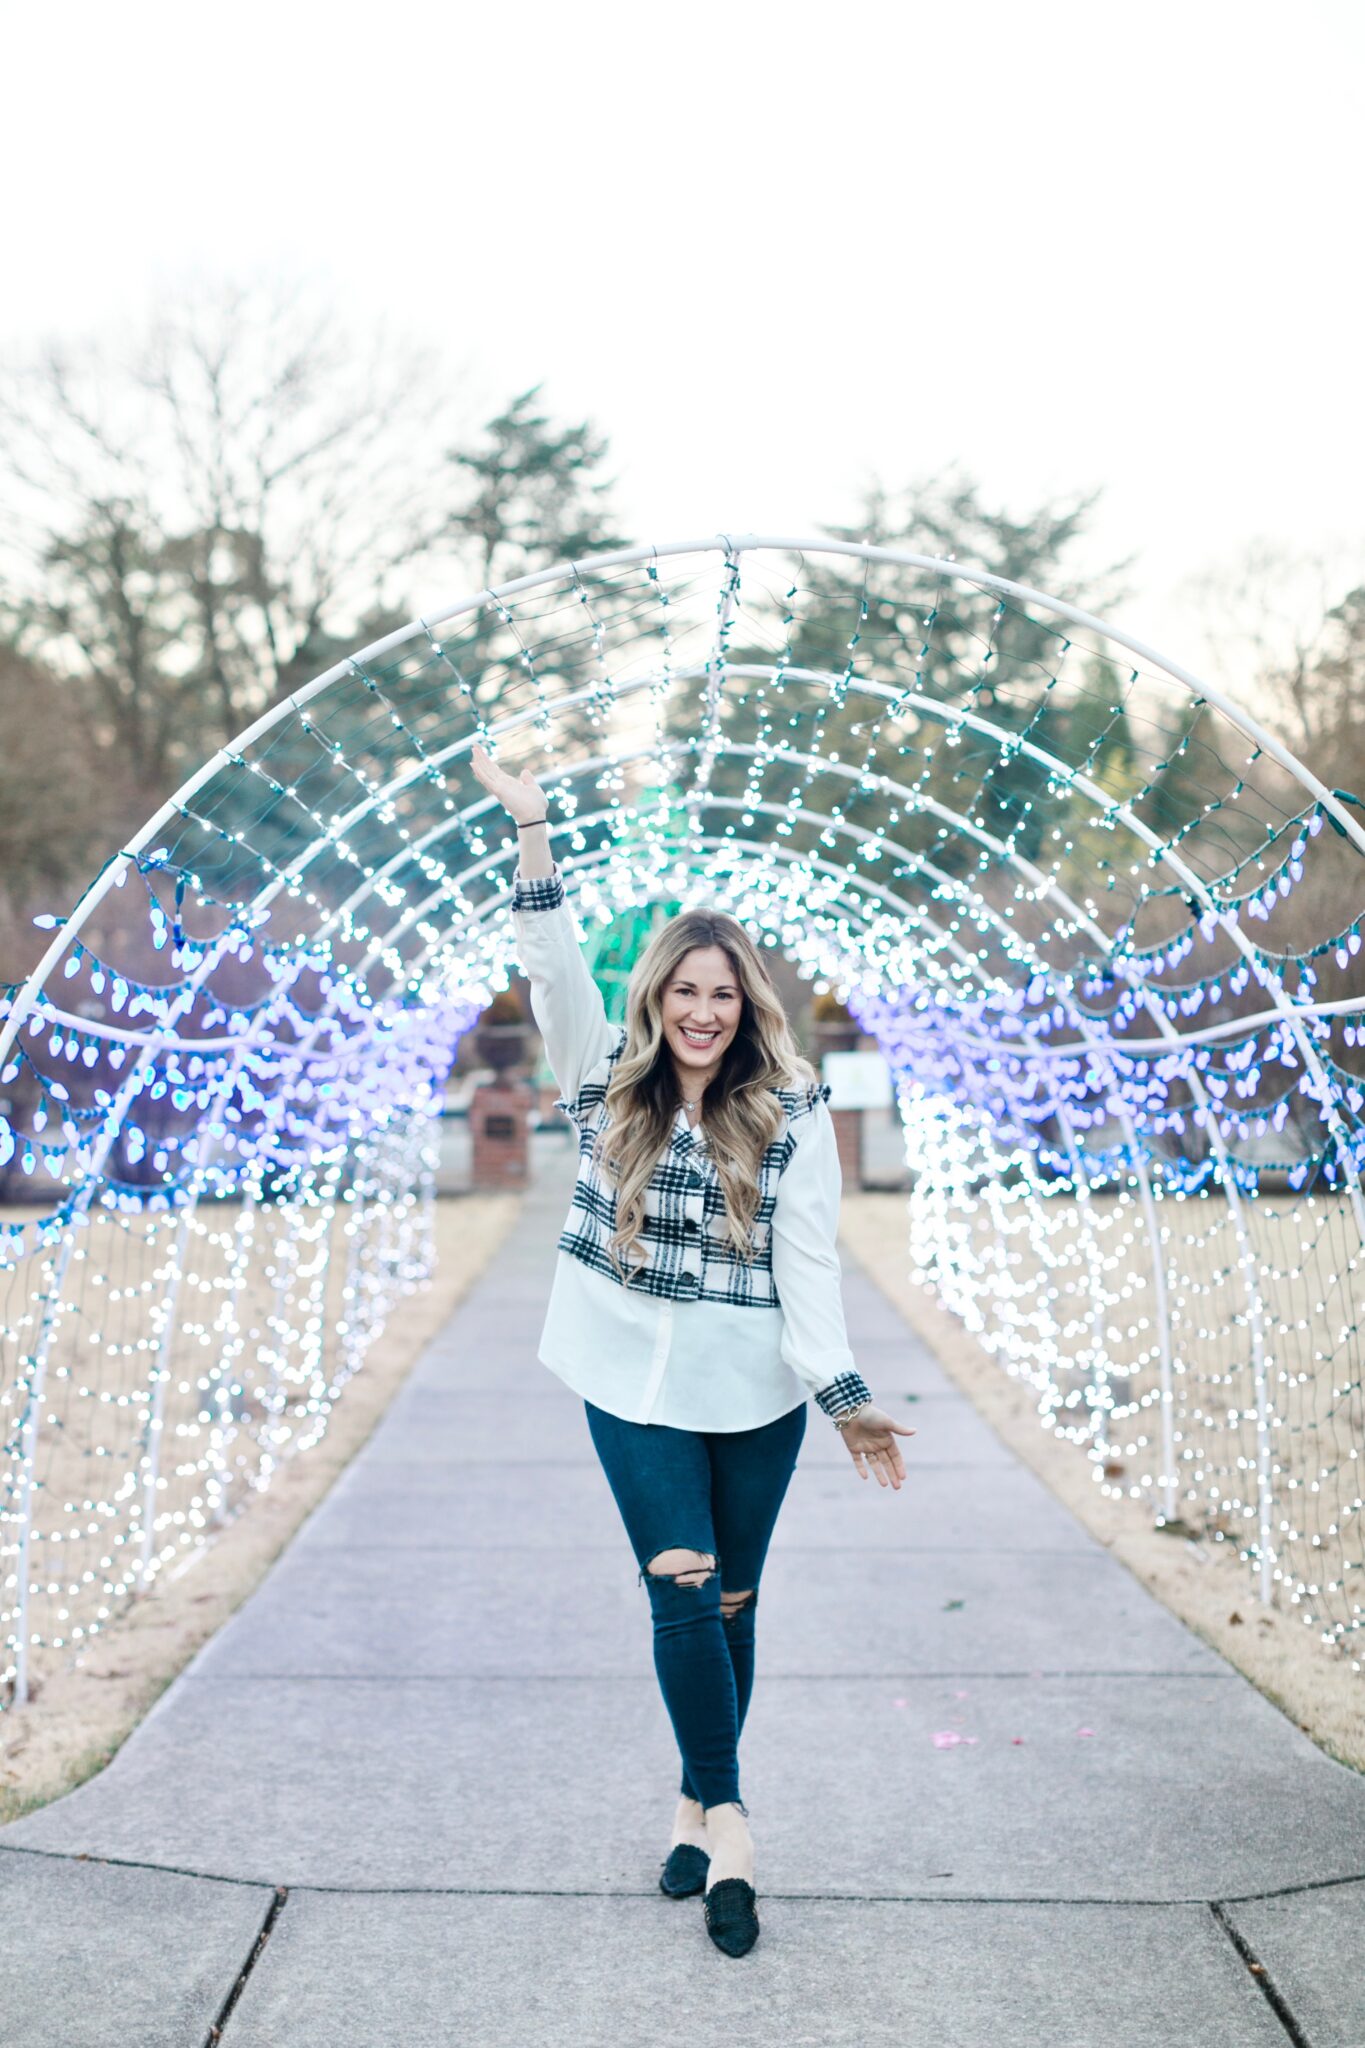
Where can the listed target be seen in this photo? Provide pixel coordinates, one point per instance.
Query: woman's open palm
(522, 797)
(871, 1440)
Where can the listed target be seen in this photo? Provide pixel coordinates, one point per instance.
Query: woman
(695, 1304)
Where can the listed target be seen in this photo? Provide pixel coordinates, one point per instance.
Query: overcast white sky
(771, 249)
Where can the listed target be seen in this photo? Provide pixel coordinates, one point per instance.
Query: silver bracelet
(842, 1421)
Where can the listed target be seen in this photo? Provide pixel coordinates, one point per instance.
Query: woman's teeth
(699, 1037)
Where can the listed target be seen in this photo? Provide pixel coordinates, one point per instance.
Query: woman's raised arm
(565, 1000)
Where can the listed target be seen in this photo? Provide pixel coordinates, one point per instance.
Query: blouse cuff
(843, 1395)
(540, 892)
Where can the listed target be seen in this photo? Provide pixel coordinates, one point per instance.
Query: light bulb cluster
(1092, 919)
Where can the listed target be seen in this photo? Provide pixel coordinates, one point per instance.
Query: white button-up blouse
(702, 1365)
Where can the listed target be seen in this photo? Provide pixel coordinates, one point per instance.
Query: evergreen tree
(960, 652)
(534, 494)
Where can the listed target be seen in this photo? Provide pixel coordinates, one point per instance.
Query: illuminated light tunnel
(1102, 926)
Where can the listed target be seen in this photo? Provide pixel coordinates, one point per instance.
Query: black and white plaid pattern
(543, 892)
(685, 1231)
(843, 1395)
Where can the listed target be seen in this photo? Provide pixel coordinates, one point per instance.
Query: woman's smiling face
(702, 1005)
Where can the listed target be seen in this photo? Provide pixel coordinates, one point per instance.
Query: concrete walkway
(418, 1789)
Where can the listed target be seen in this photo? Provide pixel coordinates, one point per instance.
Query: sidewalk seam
(1214, 1904)
(1256, 1969)
(643, 1677)
(239, 1983)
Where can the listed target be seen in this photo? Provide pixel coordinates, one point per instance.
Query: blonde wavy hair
(743, 1117)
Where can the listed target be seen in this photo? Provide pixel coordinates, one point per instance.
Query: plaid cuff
(544, 892)
(849, 1391)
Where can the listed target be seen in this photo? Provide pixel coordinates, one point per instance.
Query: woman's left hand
(871, 1440)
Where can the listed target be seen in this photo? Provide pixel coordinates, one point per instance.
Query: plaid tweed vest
(685, 1234)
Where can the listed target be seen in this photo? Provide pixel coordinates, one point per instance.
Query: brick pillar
(498, 1112)
(848, 1131)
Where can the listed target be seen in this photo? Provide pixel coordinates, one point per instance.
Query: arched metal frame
(453, 928)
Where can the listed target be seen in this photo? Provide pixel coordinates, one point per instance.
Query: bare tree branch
(277, 476)
(1268, 627)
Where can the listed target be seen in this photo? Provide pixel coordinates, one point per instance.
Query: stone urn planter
(501, 1046)
(500, 1036)
(832, 1029)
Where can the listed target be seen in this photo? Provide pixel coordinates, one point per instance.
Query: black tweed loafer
(731, 1920)
(685, 1871)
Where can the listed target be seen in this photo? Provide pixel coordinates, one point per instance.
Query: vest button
(690, 1224)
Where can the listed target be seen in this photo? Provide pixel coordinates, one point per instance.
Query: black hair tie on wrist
(529, 822)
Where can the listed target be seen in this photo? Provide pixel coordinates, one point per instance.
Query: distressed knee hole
(687, 1567)
(732, 1603)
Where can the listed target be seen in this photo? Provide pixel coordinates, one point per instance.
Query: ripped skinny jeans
(716, 1492)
